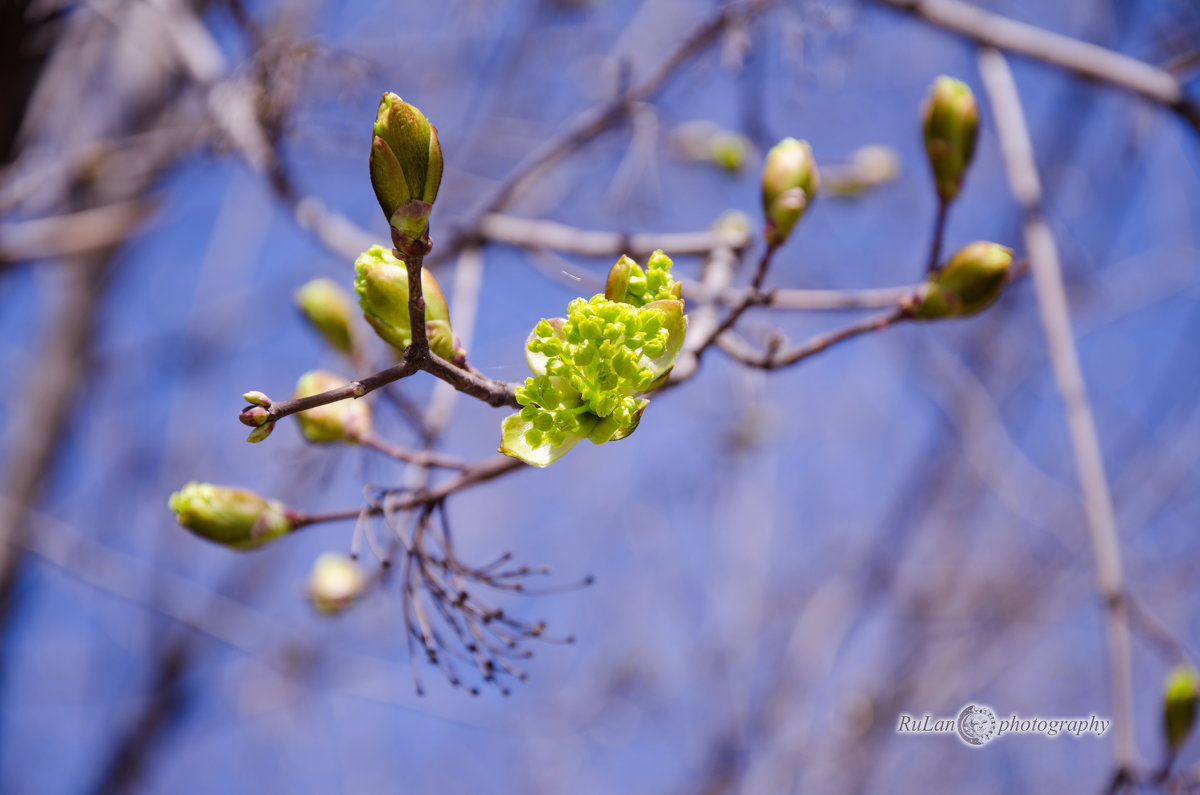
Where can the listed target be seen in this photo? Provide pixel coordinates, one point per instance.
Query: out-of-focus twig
(72, 233)
(1025, 183)
(1082, 58)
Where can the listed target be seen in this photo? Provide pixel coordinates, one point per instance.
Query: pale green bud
(260, 433)
(336, 583)
(232, 517)
(972, 279)
(869, 167)
(729, 150)
(406, 167)
(381, 282)
(789, 184)
(950, 120)
(328, 308)
(344, 421)
(254, 416)
(1179, 706)
(256, 398)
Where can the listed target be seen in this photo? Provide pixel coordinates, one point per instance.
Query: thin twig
(939, 232)
(1017, 151)
(424, 458)
(531, 233)
(594, 121)
(772, 359)
(480, 472)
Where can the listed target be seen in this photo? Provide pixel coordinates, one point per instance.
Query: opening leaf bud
(328, 308)
(972, 279)
(951, 127)
(232, 517)
(406, 167)
(789, 184)
(344, 421)
(381, 282)
(335, 584)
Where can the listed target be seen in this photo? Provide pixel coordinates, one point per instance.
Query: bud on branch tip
(1179, 706)
(381, 282)
(950, 120)
(406, 167)
(789, 184)
(972, 279)
(232, 517)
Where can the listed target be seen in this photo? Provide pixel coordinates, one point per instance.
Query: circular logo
(976, 725)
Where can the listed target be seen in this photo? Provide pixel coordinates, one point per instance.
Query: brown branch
(424, 458)
(753, 296)
(419, 347)
(494, 393)
(480, 472)
(773, 358)
(939, 232)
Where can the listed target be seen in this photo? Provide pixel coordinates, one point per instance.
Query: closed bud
(256, 398)
(255, 416)
(789, 184)
(328, 308)
(232, 517)
(951, 126)
(728, 150)
(343, 421)
(335, 584)
(406, 167)
(972, 279)
(381, 282)
(1179, 706)
(260, 433)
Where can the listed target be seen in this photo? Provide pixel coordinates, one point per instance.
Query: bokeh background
(784, 562)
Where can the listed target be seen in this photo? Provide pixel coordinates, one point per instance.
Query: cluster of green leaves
(592, 368)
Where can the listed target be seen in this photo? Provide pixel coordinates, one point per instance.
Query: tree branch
(1017, 151)
(1087, 60)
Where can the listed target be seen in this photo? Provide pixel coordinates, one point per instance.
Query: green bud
(951, 128)
(972, 279)
(232, 517)
(335, 584)
(256, 398)
(381, 282)
(1179, 706)
(406, 166)
(869, 167)
(733, 221)
(260, 433)
(789, 184)
(328, 308)
(254, 416)
(624, 279)
(728, 150)
(343, 421)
